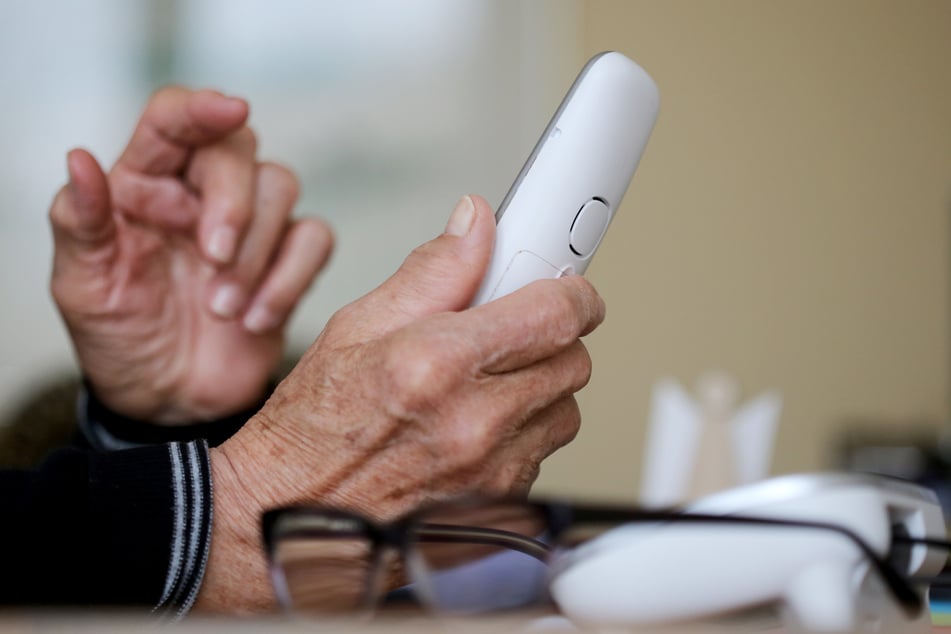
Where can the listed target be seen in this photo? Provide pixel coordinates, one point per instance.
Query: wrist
(182, 403)
(106, 429)
(237, 576)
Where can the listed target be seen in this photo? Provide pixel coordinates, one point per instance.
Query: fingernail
(461, 219)
(227, 300)
(260, 319)
(222, 244)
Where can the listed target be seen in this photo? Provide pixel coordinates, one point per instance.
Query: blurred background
(789, 223)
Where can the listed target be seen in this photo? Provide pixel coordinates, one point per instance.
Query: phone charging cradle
(817, 580)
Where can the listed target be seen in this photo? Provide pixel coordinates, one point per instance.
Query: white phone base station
(818, 580)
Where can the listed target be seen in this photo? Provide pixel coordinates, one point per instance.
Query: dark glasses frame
(319, 523)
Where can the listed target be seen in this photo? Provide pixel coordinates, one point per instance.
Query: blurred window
(388, 111)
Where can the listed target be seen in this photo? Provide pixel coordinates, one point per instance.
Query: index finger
(175, 121)
(534, 323)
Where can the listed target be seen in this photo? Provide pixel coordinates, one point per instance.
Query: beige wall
(789, 223)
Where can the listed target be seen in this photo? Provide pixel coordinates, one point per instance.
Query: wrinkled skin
(407, 397)
(176, 272)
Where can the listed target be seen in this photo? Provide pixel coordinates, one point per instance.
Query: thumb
(439, 276)
(81, 214)
(81, 218)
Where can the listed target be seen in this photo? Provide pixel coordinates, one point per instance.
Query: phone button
(588, 227)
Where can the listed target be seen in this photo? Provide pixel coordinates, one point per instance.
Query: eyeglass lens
(481, 558)
(326, 575)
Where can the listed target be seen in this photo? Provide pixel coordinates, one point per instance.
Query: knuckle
(246, 136)
(415, 372)
(474, 439)
(465, 442)
(515, 479)
(421, 253)
(233, 209)
(163, 98)
(343, 318)
(560, 315)
(582, 364)
(278, 302)
(57, 286)
(57, 207)
(317, 233)
(279, 181)
(166, 92)
(579, 305)
(430, 260)
(590, 304)
(562, 422)
(525, 478)
(571, 424)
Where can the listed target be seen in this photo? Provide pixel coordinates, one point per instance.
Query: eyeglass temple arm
(459, 534)
(932, 543)
(923, 541)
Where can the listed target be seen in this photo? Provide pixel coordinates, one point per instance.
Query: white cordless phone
(558, 209)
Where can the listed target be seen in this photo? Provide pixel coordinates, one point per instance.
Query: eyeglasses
(479, 556)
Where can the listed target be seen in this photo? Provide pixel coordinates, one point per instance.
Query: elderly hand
(407, 397)
(177, 271)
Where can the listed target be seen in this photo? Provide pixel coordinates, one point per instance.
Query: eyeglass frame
(401, 533)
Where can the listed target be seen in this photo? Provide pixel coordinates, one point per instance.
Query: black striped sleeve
(191, 527)
(103, 429)
(122, 528)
